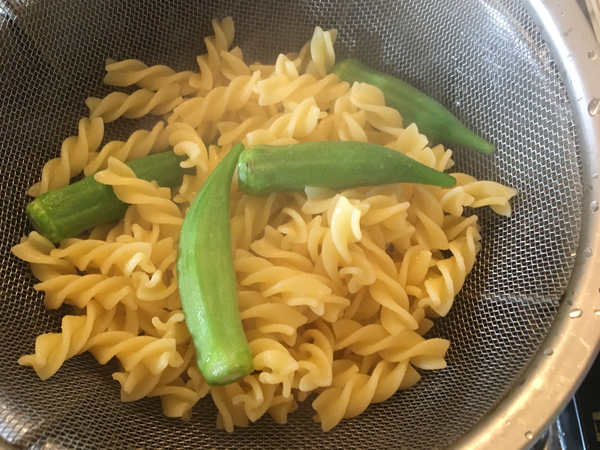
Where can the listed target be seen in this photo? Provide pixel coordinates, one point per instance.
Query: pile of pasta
(336, 289)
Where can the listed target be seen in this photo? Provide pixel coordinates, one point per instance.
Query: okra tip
(221, 372)
(485, 147)
(460, 135)
(41, 220)
(446, 181)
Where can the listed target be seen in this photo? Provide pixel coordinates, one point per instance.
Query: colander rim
(568, 351)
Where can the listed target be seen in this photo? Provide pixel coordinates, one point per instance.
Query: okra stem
(263, 169)
(71, 210)
(432, 118)
(206, 279)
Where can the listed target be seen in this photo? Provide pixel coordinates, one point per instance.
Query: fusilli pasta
(336, 290)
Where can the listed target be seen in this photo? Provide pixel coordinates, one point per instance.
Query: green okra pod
(263, 169)
(73, 209)
(206, 280)
(432, 118)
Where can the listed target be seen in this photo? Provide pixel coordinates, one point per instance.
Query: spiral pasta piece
(179, 397)
(481, 193)
(233, 65)
(346, 122)
(295, 231)
(105, 256)
(230, 415)
(270, 246)
(79, 290)
(136, 105)
(218, 100)
(153, 203)
(345, 227)
(275, 362)
(370, 339)
(287, 86)
(321, 52)
(236, 132)
(270, 317)
(315, 358)
(153, 288)
(133, 71)
(410, 142)
(186, 142)
(289, 128)
(136, 383)
(414, 268)
(428, 218)
(141, 143)
(210, 63)
(257, 399)
(37, 251)
(140, 382)
(155, 353)
(74, 154)
(370, 99)
(351, 392)
(53, 349)
(442, 289)
(250, 219)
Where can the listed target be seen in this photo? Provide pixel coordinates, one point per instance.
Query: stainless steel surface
(569, 429)
(593, 7)
(551, 380)
(487, 61)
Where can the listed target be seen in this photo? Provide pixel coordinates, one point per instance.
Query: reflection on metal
(593, 7)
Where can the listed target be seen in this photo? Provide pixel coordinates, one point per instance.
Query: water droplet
(594, 176)
(588, 252)
(457, 103)
(592, 55)
(594, 206)
(548, 352)
(508, 422)
(597, 312)
(575, 313)
(594, 107)
(529, 435)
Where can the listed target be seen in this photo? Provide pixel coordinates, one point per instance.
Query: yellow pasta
(136, 105)
(139, 144)
(53, 349)
(336, 290)
(133, 71)
(210, 63)
(74, 155)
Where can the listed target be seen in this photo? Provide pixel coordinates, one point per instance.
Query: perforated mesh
(485, 60)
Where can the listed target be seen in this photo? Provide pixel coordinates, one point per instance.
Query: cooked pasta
(336, 290)
(74, 155)
(133, 71)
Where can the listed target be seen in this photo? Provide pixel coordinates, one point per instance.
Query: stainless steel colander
(523, 330)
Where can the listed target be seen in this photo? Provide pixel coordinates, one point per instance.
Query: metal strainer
(524, 329)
